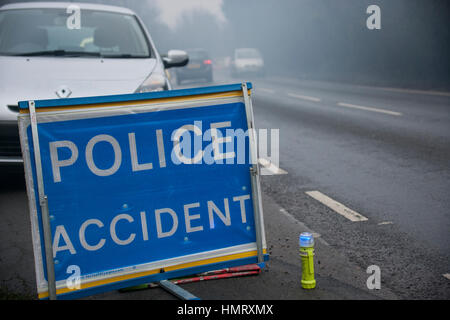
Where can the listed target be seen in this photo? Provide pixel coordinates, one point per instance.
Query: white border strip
(155, 265)
(35, 234)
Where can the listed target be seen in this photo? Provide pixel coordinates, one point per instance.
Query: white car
(54, 50)
(247, 61)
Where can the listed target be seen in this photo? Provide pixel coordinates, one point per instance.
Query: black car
(198, 67)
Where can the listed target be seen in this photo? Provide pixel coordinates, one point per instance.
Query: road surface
(368, 171)
(384, 154)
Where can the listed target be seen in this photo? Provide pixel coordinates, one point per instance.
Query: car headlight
(155, 82)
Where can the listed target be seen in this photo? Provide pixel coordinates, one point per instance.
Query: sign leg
(177, 291)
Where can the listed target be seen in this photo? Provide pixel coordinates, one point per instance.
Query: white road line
(336, 206)
(354, 106)
(299, 96)
(434, 93)
(266, 90)
(302, 225)
(269, 169)
(447, 275)
(385, 222)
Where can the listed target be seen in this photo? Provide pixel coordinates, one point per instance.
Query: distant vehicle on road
(247, 61)
(199, 67)
(45, 55)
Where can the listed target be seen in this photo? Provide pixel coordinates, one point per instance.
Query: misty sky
(171, 10)
(315, 39)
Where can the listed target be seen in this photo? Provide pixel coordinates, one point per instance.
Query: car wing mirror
(175, 58)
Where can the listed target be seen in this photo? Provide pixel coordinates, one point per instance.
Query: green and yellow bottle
(306, 241)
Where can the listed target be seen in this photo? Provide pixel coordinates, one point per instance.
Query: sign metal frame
(43, 201)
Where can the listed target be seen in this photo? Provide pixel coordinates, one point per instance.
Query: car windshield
(247, 54)
(35, 32)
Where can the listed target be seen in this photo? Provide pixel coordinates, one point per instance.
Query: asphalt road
(381, 152)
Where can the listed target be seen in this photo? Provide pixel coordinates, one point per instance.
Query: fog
(314, 39)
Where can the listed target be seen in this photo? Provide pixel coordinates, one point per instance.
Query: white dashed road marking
(269, 169)
(336, 206)
(271, 91)
(299, 96)
(354, 106)
(385, 222)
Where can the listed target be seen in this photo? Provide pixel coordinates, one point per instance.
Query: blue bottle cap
(306, 239)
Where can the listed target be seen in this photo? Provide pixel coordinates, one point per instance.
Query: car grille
(9, 140)
(14, 108)
(10, 148)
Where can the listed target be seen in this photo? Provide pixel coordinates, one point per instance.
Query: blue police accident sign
(142, 187)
